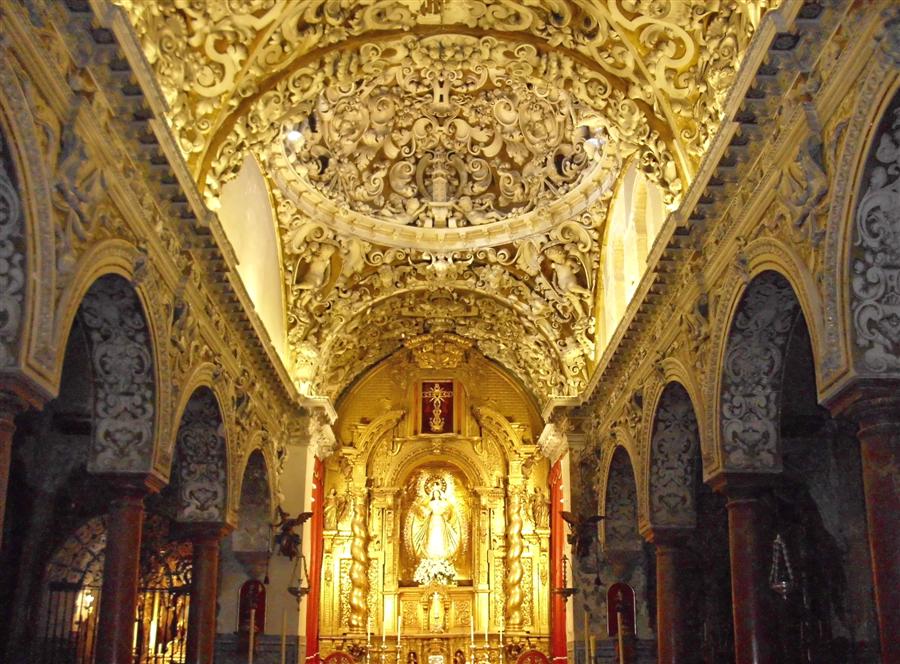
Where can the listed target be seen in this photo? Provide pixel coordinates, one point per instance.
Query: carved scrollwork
(122, 360)
(673, 450)
(875, 280)
(620, 531)
(200, 469)
(12, 262)
(751, 374)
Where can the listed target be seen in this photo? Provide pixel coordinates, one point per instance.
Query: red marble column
(751, 597)
(201, 631)
(316, 553)
(118, 595)
(558, 646)
(671, 626)
(878, 416)
(14, 398)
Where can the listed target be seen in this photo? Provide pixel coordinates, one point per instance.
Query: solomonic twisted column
(359, 565)
(514, 549)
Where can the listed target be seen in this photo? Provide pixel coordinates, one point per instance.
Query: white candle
(621, 626)
(252, 636)
(399, 628)
(283, 636)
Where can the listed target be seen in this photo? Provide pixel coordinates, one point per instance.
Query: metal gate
(161, 625)
(68, 626)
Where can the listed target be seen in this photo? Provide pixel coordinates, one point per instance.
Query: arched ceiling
(444, 165)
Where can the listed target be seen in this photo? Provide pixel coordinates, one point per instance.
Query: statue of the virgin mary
(434, 530)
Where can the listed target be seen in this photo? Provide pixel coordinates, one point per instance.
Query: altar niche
(436, 544)
(435, 509)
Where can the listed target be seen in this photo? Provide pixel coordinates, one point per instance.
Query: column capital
(132, 485)
(17, 395)
(742, 485)
(203, 531)
(668, 537)
(870, 404)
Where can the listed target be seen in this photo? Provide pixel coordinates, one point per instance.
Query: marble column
(201, 630)
(672, 638)
(878, 415)
(751, 597)
(118, 594)
(14, 399)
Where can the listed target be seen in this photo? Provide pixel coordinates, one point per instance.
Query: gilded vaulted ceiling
(444, 165)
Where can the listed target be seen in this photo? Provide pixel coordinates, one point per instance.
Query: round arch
(669, 467)
(750, 358)
(121, 261)
(26, 339)
(256, 504)
(200, 461)
(619, 529)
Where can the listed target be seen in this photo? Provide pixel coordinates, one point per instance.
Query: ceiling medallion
(438, 351)
(444, 134)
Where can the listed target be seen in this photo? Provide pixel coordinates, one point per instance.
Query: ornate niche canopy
(425, 152)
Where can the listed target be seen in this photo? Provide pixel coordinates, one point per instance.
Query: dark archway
(626, 554)
(689, 530)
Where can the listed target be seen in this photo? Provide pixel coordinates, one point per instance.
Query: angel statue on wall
(434, 530)
(288, 541)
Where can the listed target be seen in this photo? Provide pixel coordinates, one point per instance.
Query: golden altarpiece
(436, 514)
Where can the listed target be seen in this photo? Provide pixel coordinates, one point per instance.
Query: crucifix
(437, 394)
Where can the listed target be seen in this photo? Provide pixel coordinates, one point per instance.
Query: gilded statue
(336, 508)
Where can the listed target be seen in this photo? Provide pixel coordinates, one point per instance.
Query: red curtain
(558, 647)
(317, 527)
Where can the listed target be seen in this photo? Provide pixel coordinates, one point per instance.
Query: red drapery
(558, 649)
(317, 526)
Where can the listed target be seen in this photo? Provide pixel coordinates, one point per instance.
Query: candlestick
(252, 636)
(283, 636)
(586, 629)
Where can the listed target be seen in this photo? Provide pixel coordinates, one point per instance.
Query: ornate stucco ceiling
(444, 166)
